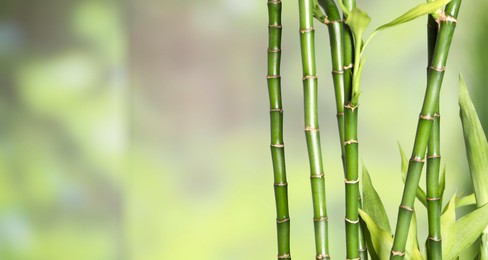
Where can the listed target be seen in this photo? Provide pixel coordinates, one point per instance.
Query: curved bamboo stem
(424, 127)
(312, 133)
(276, 114)
(434, 248)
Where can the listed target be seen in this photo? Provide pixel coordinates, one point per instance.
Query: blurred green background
(139, 129)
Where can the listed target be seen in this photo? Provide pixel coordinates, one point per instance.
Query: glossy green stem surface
(277, 145)
(424, 127)
(312, 132)
(434, 244)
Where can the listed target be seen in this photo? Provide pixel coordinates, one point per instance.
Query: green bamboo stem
(424, 127)
(434, 246)
(348, 53)
(277, 144)
(312, 133)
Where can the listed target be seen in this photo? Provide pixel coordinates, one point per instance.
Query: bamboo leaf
(412, 242)
(476, 144)
(448, 218)
(466, 200)
(442, 183)
(381, 240)
(317, 13)
(358, 20)
(420, 194)
(466, 231)
(372, 203)
(419, 10)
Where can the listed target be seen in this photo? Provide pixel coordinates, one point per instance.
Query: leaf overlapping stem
(276, 118)
(312, 132)
(424, 127)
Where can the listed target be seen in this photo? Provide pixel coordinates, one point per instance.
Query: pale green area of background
(139, 129)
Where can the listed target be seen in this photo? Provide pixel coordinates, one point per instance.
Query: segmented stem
(312, 133)
(434, 248)
(276, 114)
(424, 127)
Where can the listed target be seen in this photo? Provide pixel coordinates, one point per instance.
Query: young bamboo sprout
(434, 246)
(447, 21)
(317, 176)
(277, 145)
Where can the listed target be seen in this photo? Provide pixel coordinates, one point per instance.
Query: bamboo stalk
(277, 144)
(436, 73)
(434, 246)
(312, 133)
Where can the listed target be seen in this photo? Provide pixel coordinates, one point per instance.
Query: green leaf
(420, 194)
(476, 144)
(358, 20)
(465, 232)
(317, 12)
(412, 246)
(372, 203)
(442, 183)
(466, 200)
(381, 240)
(448, 219)
(419, 10)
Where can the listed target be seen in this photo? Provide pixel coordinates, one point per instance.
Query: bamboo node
(346, 181)
(340, 114)
(337, 72)
(311, 129)
(354, 258)
(278, 145)
(348, 66)
(311, 29)
(446, 18)
(276, 26)
(276, 110)
(333, 21)
(274, 2)
(363, 249)
(432, 199)
(441, 69)
(434, 156)
(274, 50)
(436, 239)
(310, 77)
(284, 256)
(322, 256)
(417, 159)
(397, 253)
(426, 117)
(320, 219)
(281, 184)
(282, 220)
(437, 115)
(273, 76)
(352, 141)
(351, 221)
(406, 208)
(350, 106)
(317, 176)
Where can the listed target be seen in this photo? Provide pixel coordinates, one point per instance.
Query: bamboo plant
(276, 114)
(312, 131)
(447, 21)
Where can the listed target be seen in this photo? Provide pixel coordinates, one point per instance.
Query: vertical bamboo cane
(276, 114)
(436, 73)
(434, 246)
(312, 134)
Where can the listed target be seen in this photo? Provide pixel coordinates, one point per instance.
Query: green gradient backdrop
(139, 129)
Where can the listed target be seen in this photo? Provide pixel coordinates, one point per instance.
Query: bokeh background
(139, 129)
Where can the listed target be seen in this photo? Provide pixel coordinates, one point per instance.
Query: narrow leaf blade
(419, 10)
(372, 203)
(382, 240)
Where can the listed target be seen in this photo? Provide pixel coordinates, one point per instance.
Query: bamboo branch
(276, 114)
(312, 133)
(437, 67)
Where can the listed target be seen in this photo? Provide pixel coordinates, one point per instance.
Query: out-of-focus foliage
(177, 166)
